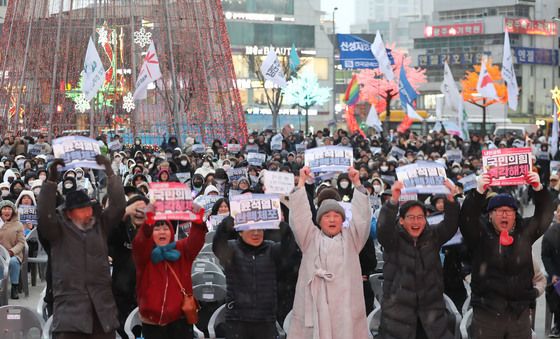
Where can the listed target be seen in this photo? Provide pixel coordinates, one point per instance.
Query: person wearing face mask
(15, 189)
(344, 187)
(183, 164)
(12, 238)
(137, 147)
(4, 190)
(197, 182)
(83, 183)
(221, 182)
(9, 176)
(375, 197)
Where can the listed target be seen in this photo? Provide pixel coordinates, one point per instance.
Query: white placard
(278, 182)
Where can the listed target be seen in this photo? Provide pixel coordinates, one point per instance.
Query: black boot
(14, 291)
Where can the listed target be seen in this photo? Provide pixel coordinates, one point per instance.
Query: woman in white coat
(329, 300)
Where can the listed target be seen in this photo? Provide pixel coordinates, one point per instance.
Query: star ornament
(556, 96)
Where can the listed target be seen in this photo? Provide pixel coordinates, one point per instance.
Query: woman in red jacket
(158, 293)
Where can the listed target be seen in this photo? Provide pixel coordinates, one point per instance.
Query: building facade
(464, 32)
(254, 27)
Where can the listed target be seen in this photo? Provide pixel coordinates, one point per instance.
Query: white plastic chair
(133, 320)
(205, 266)
(466, 324)
(207, 248)
(376, 282)
(39, 262)
(374, 321)
(218, 317)
(208, 278)
(287, 321)
(209, 238)
(5, 262)
(41, 306)
(20, 322)
(47, 329)
(450, 306)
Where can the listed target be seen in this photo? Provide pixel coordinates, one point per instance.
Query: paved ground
(35, 291)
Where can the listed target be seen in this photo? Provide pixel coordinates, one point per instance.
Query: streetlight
(334, 41)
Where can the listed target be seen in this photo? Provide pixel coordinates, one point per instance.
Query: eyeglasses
(505, 212)
(415, 217)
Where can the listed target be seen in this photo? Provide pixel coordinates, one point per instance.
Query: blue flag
(294, 59)
(406, 92)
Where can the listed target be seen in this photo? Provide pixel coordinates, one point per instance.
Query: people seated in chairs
(163, 269)
(77, 231)
(11, 237)
(329, 301)
(413, 305)
(500, 241)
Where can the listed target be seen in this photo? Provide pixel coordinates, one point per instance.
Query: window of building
(259, 6)
(279, 35)
(319, 66)
(241, 65)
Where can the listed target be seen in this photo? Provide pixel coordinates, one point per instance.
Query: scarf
(167, 252)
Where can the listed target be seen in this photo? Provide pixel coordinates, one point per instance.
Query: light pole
(334, 41)
(555, 19)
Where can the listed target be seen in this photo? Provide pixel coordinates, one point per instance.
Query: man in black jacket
(550, 254)
(502, 266)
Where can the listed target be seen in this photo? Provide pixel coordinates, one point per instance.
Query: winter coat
(11, 233)
(80, 270)
(329, 302)
(550, 250)
(412, 275)
(158, 293)
(502, 275)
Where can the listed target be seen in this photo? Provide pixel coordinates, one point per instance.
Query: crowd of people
(107, 256)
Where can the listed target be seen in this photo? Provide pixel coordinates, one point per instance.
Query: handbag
(190, 305)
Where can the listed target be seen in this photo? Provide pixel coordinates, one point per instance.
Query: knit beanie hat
(502, 199)
(329, 205)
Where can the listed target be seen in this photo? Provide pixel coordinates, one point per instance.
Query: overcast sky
(344, 15)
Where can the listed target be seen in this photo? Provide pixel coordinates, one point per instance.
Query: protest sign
(329, 158)
(183, 177)
(207, 201)
(507, 166)
(300, 148)
(252, 148)
(454, 155)
(198, 148)
(540, 155)
(518, 143)
(375, 150)
(348, 213)
(233, 193)
(256, 211)
(423, 177)
(469, 182)
(278, 182)
(256, 159)
(397, 152)
(77, 151)
(457, 239)
(171, 201)
(234, 174)
(276, 142)
(214, 221)
(407, 196)
(234, 148)
(435, 219)
(27, 214)
(35, 150)
(554, 167)
(390, 179)
(114, 146)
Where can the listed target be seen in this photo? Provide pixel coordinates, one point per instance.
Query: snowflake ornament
(103, 36)
(142, 38)
(128, 102)
(82, 104)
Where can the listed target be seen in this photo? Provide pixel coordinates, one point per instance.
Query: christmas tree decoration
(128, 102)
(82, 105)
(142, 38)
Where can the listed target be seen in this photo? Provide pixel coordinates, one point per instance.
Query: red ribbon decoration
(505, 238)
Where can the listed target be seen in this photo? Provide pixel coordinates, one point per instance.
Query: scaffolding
(43, 48)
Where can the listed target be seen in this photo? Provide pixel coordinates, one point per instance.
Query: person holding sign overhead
(413, 304)
(329, 301)
(502, 267)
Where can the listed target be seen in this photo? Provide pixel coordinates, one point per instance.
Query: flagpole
(92, 108)
(175, 113)
(134, 115)
(55, 67)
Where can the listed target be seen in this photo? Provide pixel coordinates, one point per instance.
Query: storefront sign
(425, 60)
(535, 56)
(454, 30)
(531, 27)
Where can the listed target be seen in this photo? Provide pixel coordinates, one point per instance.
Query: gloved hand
(102, 160)
(534, 180)
(53, 169)
(483, 182)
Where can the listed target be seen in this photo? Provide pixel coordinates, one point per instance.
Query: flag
(272, 70)
(294, 59)
(149, 73)
(411, 113)
(94, 73)
(449, 89)
(508, 74)
(373, 119)
(439, 108)
(406, 92)
(485, 84)
(554, 140)
(463, 121)
(352, 92)
(380, 53)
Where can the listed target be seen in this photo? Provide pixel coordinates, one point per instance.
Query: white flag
(412, 113)
(463, 122)
(554, 140)
(439, 108)
(453, 99)
(380, 53)
(94, 73)
(272, 70)
(149, 73)
(373, 119)
(508, 74)
(485, 84)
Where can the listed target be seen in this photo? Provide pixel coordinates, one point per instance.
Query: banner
(375, 150)
(436, 59)
(234, 148)
(300, 148)
(207, 201)
(256, 159)
(276, 142)
(234, 174)
(256, 211)
(114, 146)
(355, 53)
(27, 214)
(93, 73)
(214, 221)
(172, 201)
(454, 155)
(272, 70)
(198, 148)
(507, 166)
(77, 151)
(423, 177)
(183, 177)
(535, 56)
(408, 197)
(508, 74)
(149, 73)
(469, 182)
(252, 148)
(35, 149)
(390, 179)
(329, 158)
(278, 182)
(397, 152)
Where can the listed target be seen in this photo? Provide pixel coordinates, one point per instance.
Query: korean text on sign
(256, 211)
(329, 158)
(172, 201)
(507, 166)
(77, 151)
(423, 178)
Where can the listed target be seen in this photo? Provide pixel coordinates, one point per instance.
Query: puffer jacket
(502, 275)
(11, 233)
(413, 279)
